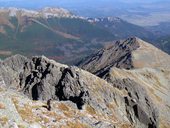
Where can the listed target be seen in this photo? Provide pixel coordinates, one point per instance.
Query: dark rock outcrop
(70, 87)
(49, 81)
(132, 53)
(43, 79)
(117, 55)
(39, 78)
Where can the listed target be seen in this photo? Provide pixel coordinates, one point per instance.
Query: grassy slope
(36, 39)
(80, 28)
(123, 29)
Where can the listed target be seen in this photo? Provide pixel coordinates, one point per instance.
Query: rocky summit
(135, 62)
(38, 92)
(131, 53)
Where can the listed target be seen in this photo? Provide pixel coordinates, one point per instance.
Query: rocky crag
(131, 53)
(135, 60)
(43, 93)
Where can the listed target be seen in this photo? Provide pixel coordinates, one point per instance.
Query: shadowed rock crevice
(135, 109)
(34, 92)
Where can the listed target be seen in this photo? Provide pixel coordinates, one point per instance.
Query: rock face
(96, 101)
(144, 70)
(128, 54)
(117, 55)
(39, 78)
(71, 87)
(139, 106)
(11, 67)
(43, 79)
(154, 81)
(123, 103)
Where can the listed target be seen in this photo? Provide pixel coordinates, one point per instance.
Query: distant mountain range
(140, 12)
(61, 35)
(121, 28)
(55, 33)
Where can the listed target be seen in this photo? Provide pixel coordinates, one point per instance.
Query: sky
(79, 1)
(73, 3)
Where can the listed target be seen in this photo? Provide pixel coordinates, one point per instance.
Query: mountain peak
(45, 12)
(128, 54)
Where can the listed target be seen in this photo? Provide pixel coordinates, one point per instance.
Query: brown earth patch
(2, 30)
(5, 21)
(5, 53)
(2, 106)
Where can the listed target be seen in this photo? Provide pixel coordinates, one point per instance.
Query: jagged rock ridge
(43, 79)
(128, 54)
(150, 69)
